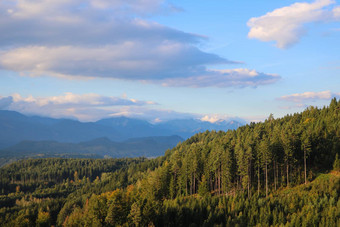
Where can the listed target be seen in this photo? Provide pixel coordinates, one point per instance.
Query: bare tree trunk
(277, 174)
(248, 190)
(186, 186)
(274, 175)
(258, 180)
(287, 174)
(248, 183)
(240, 183)
(304, 157)
(191, 185)
(266, 178)
(222, 191)
(236, 183)
(219, 180)
(216, 180)
(249, 179)
(194, 183)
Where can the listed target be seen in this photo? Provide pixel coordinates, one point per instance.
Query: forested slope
(271, 173)
(97, 148)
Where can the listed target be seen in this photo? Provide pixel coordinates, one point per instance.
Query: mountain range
(114, 137)
(97, 148)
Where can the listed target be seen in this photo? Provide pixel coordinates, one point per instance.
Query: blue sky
(160, 60)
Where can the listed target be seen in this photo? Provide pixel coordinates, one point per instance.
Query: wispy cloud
(92, 107)
(104, 39)
(286, 25)
(128, 60)
(225, 78)
(336, 12)
(213, 118)
(84, 107)
(310, 96)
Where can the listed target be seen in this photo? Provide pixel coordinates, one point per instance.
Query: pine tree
(306, 147)
(203, 188)
(336, 165)
(265, 158)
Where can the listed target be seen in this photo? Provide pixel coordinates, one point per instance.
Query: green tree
(135, 214)
(266, 156)
(203, 188)
(43, 219)
(118, 210)
(336, 165)
(307, 148)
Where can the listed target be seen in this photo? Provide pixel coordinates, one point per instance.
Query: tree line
(256, 158)
(266, 173)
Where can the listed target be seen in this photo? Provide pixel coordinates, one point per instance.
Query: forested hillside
(16, 127)
(97, 148)
(282, 171)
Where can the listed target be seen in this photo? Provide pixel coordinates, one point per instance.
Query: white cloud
(104, 39)
(128, 60)
(214, 118)
(154, 115)
(285, 25)
(85, 99)
(309, 96)
(47, 9)
(96, 38)
(89, 107)
(84, 107)
(211, 118)
(93, 107)
(224, 78)
(336, 12)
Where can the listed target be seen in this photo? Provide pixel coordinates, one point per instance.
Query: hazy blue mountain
(97, 148)
(131, 128)
(188, 127)
(185, 128)
(16, 127)
(76, 131)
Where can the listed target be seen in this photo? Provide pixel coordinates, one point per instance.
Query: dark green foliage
(46, 191)
(31, 173)
(308, 205)
(264, 174)
(336, 165)
(97, 148)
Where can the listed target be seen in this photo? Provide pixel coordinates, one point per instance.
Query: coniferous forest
(281, 172)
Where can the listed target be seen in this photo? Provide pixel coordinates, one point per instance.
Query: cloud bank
(225, 78)
(89, 107)
(286, 25)
(93, 107)
(85, 107)
(216, 118)
(128, 60)
(105, 39)
(310, 96)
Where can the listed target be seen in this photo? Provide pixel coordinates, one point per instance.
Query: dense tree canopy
(266, 173)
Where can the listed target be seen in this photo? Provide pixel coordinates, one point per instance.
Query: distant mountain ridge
(16, 127)
(188, 127)
(97, 148)
(131, 128)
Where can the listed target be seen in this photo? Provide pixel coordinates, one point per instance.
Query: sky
(159, 60)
